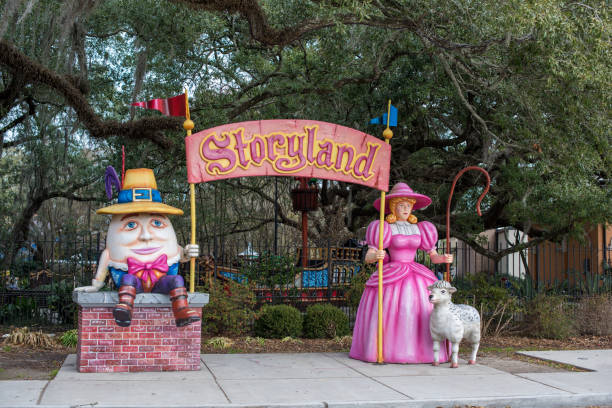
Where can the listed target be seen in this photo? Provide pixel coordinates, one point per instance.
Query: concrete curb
(544, 401)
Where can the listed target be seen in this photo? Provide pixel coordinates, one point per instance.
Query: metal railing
(37, 283)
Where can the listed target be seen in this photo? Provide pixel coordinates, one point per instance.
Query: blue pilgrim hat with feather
(138, 194)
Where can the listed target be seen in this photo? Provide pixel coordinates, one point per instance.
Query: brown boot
(182, 313)
(123, 310)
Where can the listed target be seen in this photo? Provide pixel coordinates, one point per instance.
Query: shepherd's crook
(448, 205)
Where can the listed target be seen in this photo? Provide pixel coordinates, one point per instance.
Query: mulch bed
(530, 343)
(259, 345)
(24, 363)
(505, 345)
(505, 348)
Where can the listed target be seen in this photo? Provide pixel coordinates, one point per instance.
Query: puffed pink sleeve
(429, 236)
(372, 237)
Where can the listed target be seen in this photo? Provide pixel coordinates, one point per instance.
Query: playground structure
(326, 276)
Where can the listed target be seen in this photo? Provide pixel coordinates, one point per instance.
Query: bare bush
(594, 315)
(24, 337)
(550, 317)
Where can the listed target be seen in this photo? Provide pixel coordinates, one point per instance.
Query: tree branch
(465, 102)
(260, 28)
(17, 142)
(35, 73)
(394, 17)
(320, 90)
(283, 218)
(498, 255)
(31, 111)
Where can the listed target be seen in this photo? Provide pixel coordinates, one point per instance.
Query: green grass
(53, 373)
(507, 350)
(554, 364)
(69, 338)
(512, 353)
(7, 349)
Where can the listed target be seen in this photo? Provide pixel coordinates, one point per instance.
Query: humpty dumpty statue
(142, 253)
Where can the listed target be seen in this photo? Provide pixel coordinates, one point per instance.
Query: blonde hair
(393, 202)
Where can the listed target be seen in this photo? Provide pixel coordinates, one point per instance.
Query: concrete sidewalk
(322, 380)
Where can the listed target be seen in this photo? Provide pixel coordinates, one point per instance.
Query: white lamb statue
(452, 322)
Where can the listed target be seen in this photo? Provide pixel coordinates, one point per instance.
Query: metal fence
(38, 279)
(568, 269)
(38, 282)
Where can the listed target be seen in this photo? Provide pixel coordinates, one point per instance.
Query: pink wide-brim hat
(403, 190)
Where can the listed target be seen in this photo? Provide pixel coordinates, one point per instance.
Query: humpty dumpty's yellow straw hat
(139, 194)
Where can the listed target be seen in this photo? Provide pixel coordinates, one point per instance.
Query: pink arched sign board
(296, 148)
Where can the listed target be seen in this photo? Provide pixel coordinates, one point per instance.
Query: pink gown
(406, 307)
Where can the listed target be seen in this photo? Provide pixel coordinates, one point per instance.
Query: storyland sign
(296, 148)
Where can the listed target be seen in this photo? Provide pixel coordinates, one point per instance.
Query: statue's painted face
(403, 209)
(144, 237)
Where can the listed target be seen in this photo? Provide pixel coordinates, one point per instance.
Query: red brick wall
(151, 343)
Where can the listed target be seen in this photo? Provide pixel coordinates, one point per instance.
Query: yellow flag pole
(387, 134)
(188, 125)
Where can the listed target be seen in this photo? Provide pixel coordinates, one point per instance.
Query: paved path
(323, 380)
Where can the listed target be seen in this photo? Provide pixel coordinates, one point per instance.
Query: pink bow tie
(146, 271)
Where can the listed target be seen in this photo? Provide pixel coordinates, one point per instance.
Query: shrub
(260, 341)
(344, 342)
(594, 315)
(230, 310)
(355, 291)
(24, 309)
(493, 298)
(24, 337)
(69, 338)
(60, 301)
(325, 321)
(278, 321)
(290, 339)
(550, 317)
(220, 342)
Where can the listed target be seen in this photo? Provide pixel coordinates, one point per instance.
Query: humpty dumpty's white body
(139, 236)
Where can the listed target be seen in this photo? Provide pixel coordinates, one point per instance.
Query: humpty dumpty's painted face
(403, 210)
(144, 237)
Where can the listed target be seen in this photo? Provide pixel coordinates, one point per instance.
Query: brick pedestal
(151, 343)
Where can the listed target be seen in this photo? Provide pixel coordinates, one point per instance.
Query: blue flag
(382, 120)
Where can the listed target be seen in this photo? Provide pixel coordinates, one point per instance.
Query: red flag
(174, 106)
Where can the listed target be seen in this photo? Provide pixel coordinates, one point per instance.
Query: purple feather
(110, 179)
